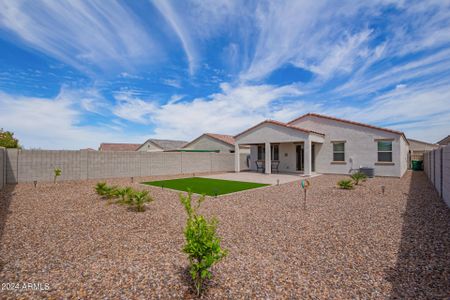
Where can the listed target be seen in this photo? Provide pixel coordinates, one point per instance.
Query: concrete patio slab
(260, 177)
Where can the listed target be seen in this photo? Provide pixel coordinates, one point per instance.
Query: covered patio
(278, 147)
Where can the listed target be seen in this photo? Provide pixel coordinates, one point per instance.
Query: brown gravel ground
(346, 244)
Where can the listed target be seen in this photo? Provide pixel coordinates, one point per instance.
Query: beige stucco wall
(360, 147)
(29, 165)
(404, 152)
(207, 143)
(149, 147)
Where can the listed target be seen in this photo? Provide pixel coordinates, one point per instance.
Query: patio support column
(237, 158)
(268, 162)
(307, 157)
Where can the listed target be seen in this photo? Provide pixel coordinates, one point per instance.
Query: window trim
(343, 152)
(386, 162)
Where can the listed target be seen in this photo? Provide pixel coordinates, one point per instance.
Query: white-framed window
(274, 151)
(338, 151)
(261, 152)
(384, 151)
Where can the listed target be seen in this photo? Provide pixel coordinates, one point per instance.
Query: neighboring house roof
(278, 123)
(87, 149)
(227, 139)
(165, 145)
(118, 147)
(224, 138)
(422, 142)
(444, 141)
(349, 122)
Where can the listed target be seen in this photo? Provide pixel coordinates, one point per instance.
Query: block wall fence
(437, 167)
(28, 165)
(2, 167)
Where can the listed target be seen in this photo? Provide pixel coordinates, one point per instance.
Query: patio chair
(274, 166)
(260, 166)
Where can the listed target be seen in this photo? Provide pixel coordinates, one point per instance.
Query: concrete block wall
(28, 165)
(437, 169)
(446, 175)
(2, 167)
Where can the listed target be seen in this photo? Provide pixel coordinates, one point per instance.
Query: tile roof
(348, 122)
(166, 144)
(228, 139)
(279, 124)
(118, 147)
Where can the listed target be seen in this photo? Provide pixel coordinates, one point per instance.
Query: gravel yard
(346, 244)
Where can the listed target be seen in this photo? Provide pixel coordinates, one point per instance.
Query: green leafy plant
(57, 173)
(100, 188)
(138, 200)
(7, 139)
(358, 176)
(105, 190)
(125, 195)
(202, 243)
(345, 184)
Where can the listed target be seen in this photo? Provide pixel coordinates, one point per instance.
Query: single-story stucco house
(157, 145)
(315, 143)
(418, 148)
(445, 141)
(118, 147)
(221, 143)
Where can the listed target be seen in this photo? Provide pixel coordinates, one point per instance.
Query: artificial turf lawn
(207, 186)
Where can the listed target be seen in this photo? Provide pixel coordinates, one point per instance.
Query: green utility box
(416, 165)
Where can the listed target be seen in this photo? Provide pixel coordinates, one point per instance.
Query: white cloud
(231, 110)
(130, 76)
(54, 123)
(178, 26)
(175, 98)
(85, 34)
(130, 108)
(343, 55)
(172, 82)
(327, 38)
(422, 112)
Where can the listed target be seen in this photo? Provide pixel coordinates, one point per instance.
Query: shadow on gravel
(186, 278)
(423, 263)
(5, 200)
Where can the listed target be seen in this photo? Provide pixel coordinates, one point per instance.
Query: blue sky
(77, 73)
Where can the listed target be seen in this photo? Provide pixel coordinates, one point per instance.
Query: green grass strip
(207, 186)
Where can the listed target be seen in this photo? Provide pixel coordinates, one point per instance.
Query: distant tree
(7, 139)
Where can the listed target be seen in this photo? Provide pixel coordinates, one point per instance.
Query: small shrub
(111, 192)
(202, 243)
(100, 188)
(138, 200)
(345, 184)
(105, 190)
(358, 176)
(57, 172)
(125, 194)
